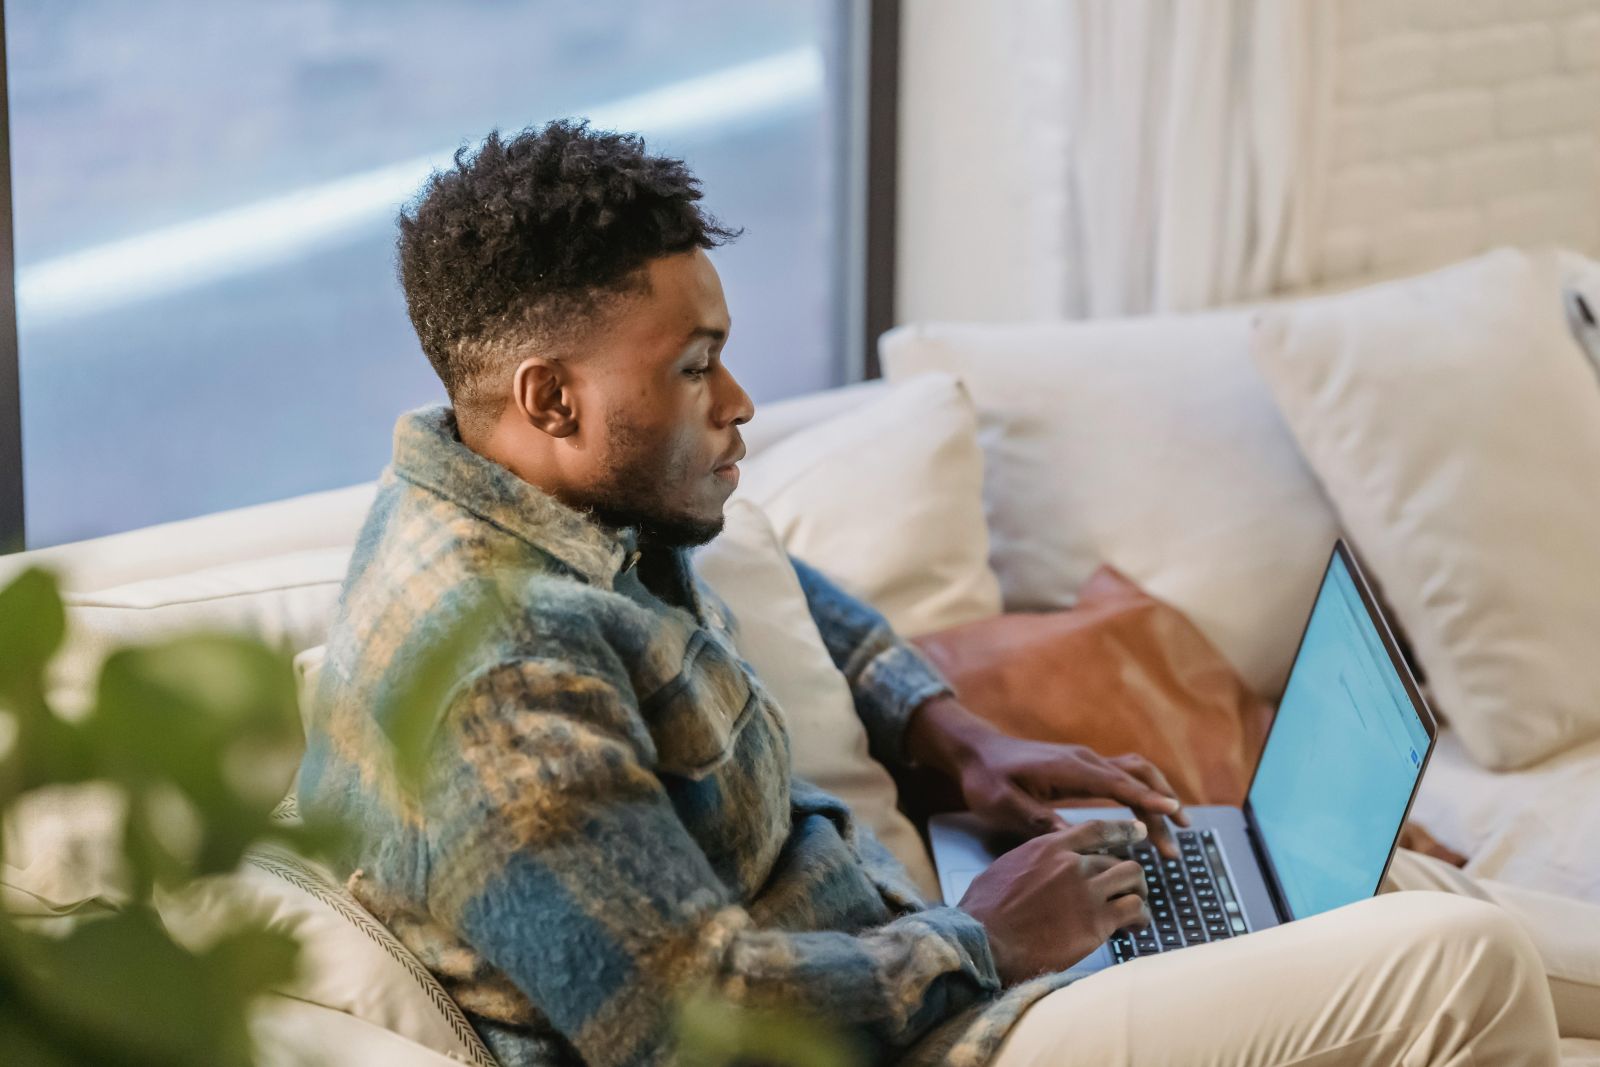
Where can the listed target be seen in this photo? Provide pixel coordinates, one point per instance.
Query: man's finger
(1160, 835)
(1142, 768)
(1130, 912)
(1135, 793)
(1126, 877)
(1095, 864)
(1100, 835)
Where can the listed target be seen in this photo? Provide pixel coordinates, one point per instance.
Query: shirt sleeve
(556, 854)
(888, 676)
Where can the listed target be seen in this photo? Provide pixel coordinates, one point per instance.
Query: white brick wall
(1459, 125)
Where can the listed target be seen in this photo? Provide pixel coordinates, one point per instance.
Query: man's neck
(662, 572)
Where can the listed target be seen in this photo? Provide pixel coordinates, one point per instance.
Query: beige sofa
(1154, 445)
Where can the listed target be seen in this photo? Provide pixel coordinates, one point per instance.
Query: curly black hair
(524, 239)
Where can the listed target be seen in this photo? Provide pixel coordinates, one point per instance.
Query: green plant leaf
(39, 747)
(32, 625)
(251, 960)
(215, 716)
(424, 687)
(325, 839)
(25, 1040)
(715, 1032)
(202, 735)
(45, 750)
(120, 989)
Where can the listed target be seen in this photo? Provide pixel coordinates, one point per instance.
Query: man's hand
(1417, 839)
(1053, 900)
(1014, 784)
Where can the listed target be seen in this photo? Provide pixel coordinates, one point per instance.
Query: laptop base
(963, 846)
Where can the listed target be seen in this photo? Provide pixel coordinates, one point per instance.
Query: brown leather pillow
(1120, 672)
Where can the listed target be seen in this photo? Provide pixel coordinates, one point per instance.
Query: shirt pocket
(696, 718)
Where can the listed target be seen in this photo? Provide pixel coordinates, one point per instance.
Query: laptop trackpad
(963, 845)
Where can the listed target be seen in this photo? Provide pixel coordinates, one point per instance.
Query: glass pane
(205, 199)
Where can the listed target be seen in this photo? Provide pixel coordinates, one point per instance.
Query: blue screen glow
(1342, 760)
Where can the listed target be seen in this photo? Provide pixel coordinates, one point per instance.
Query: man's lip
(728, 472)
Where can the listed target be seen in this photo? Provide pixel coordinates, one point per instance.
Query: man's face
(659, 412)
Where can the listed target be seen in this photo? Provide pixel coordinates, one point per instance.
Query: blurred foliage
(714, 1032)
(422, 690)
(198, 735)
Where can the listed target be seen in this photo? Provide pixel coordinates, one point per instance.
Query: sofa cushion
(1455, 423)
(1537, 827)
(285, 600)
(887, 498)
(1151, 445)
(747, 567)
(61, 848)
(349, 962)
(292, 1033)
(62, 854)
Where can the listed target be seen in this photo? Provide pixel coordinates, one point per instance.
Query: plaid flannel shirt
(608, 817)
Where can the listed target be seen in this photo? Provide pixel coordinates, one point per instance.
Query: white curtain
(1175, 149)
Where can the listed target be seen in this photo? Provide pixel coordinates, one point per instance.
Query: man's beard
(633, 497)
(654, 528)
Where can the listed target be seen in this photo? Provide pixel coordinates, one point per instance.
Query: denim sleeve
(888, 676)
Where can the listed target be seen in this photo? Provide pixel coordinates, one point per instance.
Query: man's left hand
(1014, 784)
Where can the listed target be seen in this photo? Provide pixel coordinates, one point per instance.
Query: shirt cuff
(892, 685)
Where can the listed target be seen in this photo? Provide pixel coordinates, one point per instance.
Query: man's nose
(739, 408)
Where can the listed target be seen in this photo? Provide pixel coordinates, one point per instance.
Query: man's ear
(540, 390)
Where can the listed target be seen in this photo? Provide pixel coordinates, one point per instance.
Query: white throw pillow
(887, 498)
(1149, 444)
(286, 601)
(747, 567)
(1455, 423)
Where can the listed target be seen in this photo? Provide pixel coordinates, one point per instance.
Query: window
(203, 204)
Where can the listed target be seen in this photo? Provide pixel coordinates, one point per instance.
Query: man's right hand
(1051, 901)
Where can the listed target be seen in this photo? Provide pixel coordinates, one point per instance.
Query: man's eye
(696, 371)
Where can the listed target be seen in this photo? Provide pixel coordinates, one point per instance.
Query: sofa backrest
(328, 519)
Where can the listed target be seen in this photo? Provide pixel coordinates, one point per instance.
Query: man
(607, 819)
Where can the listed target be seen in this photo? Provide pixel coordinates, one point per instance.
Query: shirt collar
(428, 452)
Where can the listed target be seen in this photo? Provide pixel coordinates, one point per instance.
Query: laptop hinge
(1280, 902)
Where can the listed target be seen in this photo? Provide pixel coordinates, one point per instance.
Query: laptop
(1322, 816)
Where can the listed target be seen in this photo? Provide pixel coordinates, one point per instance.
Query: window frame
(11, 501)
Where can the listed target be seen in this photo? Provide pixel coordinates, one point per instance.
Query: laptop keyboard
(1191, 898)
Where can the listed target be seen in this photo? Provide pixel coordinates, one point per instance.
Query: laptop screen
(1337, 773)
